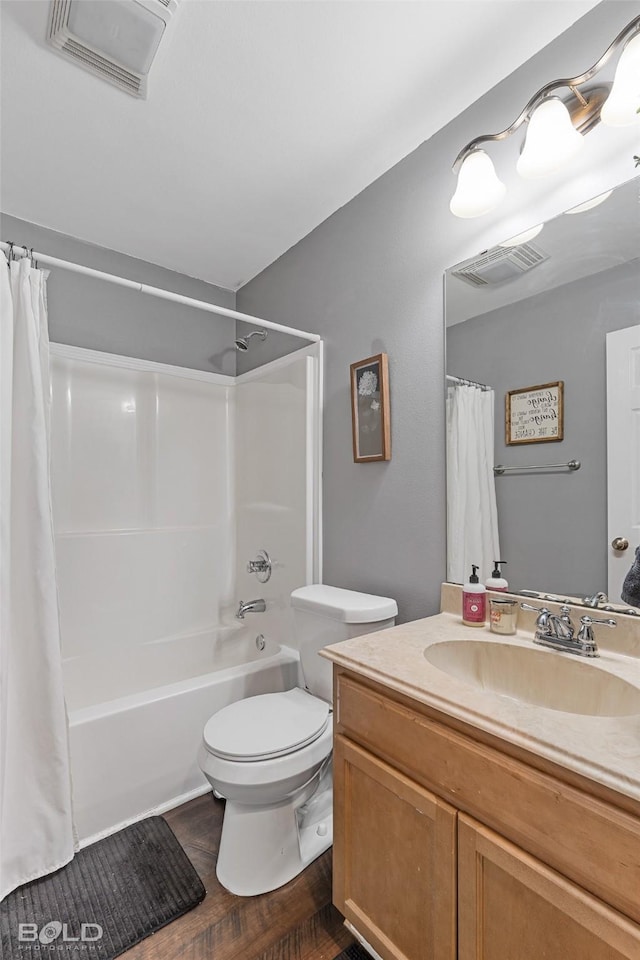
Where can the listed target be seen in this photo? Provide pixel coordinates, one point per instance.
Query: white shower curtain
(36, 828)
(472, 515)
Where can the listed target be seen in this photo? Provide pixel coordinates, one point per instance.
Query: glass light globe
(479, 189)
(551, 140)
(620, 109)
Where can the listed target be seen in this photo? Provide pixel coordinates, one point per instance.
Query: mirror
(535, 311)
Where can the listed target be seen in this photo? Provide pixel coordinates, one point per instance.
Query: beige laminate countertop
(604, 749)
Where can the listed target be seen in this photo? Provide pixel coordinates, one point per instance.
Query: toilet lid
(269, 725)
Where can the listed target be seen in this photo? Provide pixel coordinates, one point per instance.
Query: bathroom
(363, 272)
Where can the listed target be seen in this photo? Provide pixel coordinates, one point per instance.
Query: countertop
(603, 749)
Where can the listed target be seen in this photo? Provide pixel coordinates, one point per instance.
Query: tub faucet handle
(261, 566)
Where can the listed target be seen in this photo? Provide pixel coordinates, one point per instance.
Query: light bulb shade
(479, 189)
(620, 109)
(551, 140)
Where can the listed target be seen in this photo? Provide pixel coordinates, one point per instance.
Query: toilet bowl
(269, 756)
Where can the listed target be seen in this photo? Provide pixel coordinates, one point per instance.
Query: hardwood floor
(296, 922)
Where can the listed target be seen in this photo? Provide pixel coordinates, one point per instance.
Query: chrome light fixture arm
(591, 116)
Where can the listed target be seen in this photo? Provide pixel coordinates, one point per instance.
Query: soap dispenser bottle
(474, 601)
(496, 581)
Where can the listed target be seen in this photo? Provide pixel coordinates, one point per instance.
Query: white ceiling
(263, 118)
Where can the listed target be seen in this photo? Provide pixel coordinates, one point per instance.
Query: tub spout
(250, 606)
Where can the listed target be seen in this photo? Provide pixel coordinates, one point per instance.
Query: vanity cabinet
(446, 846)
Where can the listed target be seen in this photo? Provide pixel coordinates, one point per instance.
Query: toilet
(269, 756)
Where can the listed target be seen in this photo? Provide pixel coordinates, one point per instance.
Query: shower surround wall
(277, 501)
(157, 473)
(143, 509)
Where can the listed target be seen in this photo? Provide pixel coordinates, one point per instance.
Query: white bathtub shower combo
(270, 755)
(166, 481)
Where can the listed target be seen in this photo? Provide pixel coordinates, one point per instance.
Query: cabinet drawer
(592, 842)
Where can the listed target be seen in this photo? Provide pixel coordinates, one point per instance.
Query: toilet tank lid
(347, 606)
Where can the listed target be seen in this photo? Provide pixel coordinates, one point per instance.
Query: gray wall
(369, 279)
(90, 313)
(553, 526)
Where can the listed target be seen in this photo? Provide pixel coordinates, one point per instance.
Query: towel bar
(571, 465)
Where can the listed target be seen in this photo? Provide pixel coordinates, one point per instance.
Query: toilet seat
(266, 726)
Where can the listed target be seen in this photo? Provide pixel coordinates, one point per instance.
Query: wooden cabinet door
(513, 907)
(394, 858)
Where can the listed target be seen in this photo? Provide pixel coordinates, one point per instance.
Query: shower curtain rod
(155, 291)
(468, 383)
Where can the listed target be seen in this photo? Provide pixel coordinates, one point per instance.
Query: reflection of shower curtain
(472, 516)
(36, 830)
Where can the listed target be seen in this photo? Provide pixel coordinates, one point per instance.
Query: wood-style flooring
(296, 922)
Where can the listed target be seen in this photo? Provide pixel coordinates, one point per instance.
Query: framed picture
(535, 414)
(370, 409)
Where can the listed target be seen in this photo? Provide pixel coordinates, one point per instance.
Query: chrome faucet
(250, 606)
(596, 599)
(558, 632)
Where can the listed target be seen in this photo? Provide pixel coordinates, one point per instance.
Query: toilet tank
(323, 615)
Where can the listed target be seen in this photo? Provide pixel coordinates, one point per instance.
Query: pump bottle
(496, 581)
(474, 601)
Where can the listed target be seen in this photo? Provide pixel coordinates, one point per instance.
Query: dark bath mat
(122, 888)
(354, 952)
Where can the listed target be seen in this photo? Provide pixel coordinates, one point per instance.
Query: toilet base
(262, 848)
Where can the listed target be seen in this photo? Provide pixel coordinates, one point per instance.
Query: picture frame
(535, 414)
(370, 420)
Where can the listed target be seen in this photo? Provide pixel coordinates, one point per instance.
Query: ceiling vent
(114, 39)
(500, 264)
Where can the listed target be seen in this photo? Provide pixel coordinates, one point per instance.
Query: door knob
(620, 543)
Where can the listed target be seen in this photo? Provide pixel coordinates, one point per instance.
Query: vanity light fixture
(550, 142)
(556, 126)
(621, 107)
(479, 189)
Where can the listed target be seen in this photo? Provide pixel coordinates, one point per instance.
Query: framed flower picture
(370, 409)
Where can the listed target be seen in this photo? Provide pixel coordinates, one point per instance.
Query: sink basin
(544, 679)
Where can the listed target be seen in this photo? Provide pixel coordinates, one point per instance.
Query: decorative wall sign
(370, 409)
(535, 414)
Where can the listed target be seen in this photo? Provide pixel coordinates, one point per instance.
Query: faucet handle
(528, 606)
(585, 634)
(586, 621)
(544, 613)
(261, 566)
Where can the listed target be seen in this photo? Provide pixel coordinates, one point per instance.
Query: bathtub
(136, 718)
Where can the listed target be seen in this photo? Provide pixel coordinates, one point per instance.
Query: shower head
(242, 343)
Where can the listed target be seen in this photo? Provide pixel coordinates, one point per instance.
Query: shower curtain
(472, 515)
(36, 828)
